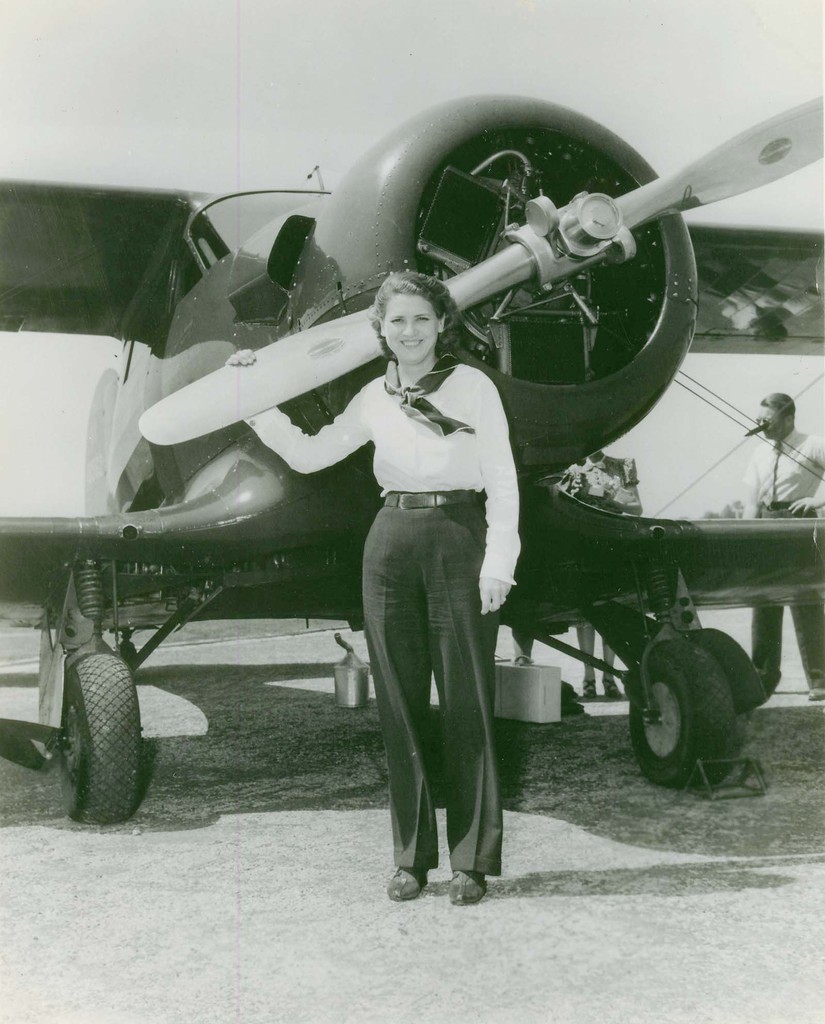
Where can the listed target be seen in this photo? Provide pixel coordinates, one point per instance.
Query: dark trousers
(766, 637)
(809, 623)
(422, 614)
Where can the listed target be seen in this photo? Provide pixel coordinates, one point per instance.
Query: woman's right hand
(243, 357)
(493, 593)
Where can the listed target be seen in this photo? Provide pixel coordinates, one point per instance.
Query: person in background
(438, 564)
(784, 479)
(612, 484)
(586, 636)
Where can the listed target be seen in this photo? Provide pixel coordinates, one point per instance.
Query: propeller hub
(590, 219)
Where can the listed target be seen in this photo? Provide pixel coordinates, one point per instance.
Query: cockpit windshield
(237, 219)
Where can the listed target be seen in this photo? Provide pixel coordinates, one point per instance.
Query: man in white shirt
(785, 480)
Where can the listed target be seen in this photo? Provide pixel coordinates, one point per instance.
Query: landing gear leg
(100, 741)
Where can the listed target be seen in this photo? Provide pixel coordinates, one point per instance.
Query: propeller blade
(286, 368)
(757, 157)
(300, 362)
(16, 742)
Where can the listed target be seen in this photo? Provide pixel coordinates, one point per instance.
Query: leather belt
(781, 510)
(428, 499)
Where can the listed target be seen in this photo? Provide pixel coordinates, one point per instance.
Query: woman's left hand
(493, 593)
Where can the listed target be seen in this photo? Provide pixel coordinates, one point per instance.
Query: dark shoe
(406, 884)
(570, 701)
(817, 693)
(467, 887)
(589, 689)
(610, 689)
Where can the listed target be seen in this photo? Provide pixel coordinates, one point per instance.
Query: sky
(213, 95)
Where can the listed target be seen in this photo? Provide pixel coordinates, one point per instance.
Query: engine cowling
(578, 366)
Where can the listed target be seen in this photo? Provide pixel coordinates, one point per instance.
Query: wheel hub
(663, 734)
(71, 742)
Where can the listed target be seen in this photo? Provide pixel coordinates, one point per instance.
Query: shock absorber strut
(88, 581)
(658, 591)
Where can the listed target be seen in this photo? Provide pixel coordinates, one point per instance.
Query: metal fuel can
(352, 677)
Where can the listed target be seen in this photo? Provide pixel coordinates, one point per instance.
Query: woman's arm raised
(307, 453)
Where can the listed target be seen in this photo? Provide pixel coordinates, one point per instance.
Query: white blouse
(410, 456)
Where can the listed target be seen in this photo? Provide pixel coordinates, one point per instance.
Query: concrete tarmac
(250, 884)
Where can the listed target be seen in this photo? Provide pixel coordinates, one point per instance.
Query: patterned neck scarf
(416, 406)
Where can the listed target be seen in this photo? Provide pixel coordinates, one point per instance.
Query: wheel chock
(743, 777)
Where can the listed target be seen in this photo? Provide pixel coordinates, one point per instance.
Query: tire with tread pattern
(698, 719)
(101, 743)
(745, 685)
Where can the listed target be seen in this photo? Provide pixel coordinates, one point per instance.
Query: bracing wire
(739, 444)
(747, 425)
(718, 398)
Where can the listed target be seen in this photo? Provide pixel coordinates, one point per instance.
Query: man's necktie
(777, 450)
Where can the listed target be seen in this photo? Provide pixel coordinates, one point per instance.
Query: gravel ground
(249, 886)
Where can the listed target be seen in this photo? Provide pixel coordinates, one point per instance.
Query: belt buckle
(403, 501)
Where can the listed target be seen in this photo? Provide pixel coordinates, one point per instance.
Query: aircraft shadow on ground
(276, 748)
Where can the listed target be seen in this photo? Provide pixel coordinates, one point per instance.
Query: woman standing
(438, 564)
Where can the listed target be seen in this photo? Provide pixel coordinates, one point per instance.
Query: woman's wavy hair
(410, 282)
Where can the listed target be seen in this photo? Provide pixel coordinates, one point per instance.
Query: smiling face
(411, 327)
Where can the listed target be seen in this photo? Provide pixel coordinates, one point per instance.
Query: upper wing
(760, 291)
(73, 258)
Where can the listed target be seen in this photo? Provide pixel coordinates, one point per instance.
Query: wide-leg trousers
(809, 624)
(422, 617)
(766, 639)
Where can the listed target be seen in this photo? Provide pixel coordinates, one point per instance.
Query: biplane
(580, 288)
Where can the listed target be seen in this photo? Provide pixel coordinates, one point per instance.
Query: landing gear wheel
(745, 685)
(696, 716)
(101, 742)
